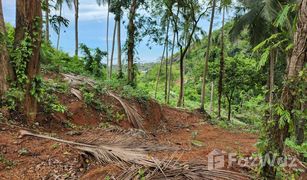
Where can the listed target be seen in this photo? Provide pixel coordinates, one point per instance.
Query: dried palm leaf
(106, 153)
(133, 116)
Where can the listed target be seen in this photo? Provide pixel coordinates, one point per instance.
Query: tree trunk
(159, 72)
(47, 21)
(271, 80)
(289, 98)
(166, 62)
(170, 69)
(222, 64)
(112, 52)
(76, 4)
(131, 42)
(229, 108)
(180, 100)
(203, 92)
(119, 51)
(107, 37)
(29, 20)
(6, 71)
(59, 24)
(212, 96)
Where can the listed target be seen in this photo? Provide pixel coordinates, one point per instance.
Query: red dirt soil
(172, 127)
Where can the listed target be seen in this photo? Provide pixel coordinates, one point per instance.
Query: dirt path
(33, 158)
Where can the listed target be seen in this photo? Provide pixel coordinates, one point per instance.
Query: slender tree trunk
(76, 4)
(222, 68)
(159, 72)
(29, 20)
(59, 34)
(229, 108)
(170, 69)
(107, 36)
(166, 61)
(203, 92)
(131, 42)
(112, 52)
(289, 98)
(6, 71)
(271, 80)
(119, 50)
(47, 21)
(212, 96)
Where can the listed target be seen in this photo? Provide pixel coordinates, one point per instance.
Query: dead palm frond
(180, 172)
(120, 154)
(133, 116)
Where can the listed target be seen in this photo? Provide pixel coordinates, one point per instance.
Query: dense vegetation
(251, 72)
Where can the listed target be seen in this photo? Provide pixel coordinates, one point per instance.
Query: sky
(93, 27)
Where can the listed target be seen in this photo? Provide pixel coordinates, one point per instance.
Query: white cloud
(89, 11)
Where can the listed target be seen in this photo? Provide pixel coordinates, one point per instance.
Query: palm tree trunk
(76, 4)
(203, 92)
(29, 20)
(119, 50)
(170, 69)
(166, 61)
(222, 64)
(131, 42)
(212, 96)
(47, 21)
(289, 98)
(6, 70)
(107, 36)
(59, 34)
(112, 52)
(159, 72)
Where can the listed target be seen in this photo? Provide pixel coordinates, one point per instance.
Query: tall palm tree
(112, 51)
(203, 91)
(108, 2)
(131, 41)
(119, 50)
(76, 6)
(224, 5)
(47, 20)
(59, 6)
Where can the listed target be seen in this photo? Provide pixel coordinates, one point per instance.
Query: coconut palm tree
(203, 91)
(224, 5)
(100, 3)
(59, 6)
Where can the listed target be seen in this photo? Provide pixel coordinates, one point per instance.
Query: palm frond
(116, 153)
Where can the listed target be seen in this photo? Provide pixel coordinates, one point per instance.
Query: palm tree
(203, 92)
(108, 2)
(112, 51)
(59, 6)
(119, 50)
(224, 5)
(47, 20)
(76, 6)
(131, 42)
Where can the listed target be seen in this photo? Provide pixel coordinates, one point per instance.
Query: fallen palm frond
(120, 154)
(133, 116)
(181, 172)
(77, 93)
(75, 80)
